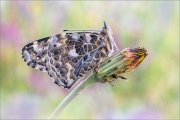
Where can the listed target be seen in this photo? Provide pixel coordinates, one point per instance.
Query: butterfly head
(107, 33)
(106, 29)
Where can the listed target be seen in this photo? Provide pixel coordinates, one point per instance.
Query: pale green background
(152, 90)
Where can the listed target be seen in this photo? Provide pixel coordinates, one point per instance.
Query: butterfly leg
(113, 77)
(96, 69)
(122, 77)
(110, 82)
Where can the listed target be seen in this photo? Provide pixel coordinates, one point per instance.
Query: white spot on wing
(54, 38)
(27, 56)
(70, 81)
(59, 44)
(75, 36)
(35, 46)
(88, 38)
(35, 42)
(73, 53)
(40, 49)
(37, 58)
(43, 59)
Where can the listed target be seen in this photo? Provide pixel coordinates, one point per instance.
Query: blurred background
(152, 89)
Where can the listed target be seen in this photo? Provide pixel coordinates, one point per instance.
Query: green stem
(112, 58)
(84, 84)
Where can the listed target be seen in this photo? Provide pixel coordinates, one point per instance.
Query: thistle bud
(121, 62)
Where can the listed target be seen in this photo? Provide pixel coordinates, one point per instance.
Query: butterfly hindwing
(70, 58)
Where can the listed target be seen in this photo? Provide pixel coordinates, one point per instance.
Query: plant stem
(84, 84)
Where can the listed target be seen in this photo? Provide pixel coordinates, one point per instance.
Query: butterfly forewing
(35, 53)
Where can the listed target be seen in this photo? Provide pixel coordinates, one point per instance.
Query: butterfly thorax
(107, 48)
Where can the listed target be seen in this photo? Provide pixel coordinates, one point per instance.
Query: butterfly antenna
(114, 43)
(81, 30)
(115, 46)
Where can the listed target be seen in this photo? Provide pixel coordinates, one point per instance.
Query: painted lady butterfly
(67, 57)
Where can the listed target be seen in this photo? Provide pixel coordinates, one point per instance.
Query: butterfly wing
(72, 57)
(66, 58)
(34, 54)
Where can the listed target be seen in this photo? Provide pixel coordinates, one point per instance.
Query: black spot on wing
(94, 36)
(78, 50)
(51, 61)
(85, 48)
(30, 49)
(63, 71)
(81, 37)
(75, 60)
(85, 68)
(56, 82)
(57, 65)
(56, 58)
(78, 44)
(64, 82)
(85, 57)
(82, 52)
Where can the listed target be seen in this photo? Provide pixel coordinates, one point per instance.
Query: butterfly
(70, 55)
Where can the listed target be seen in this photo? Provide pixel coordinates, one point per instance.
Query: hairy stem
(84, 84)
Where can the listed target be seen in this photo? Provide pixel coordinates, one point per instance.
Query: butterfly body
(67, 57)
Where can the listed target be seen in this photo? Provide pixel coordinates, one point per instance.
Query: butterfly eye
(56, 52)
(63, 71)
